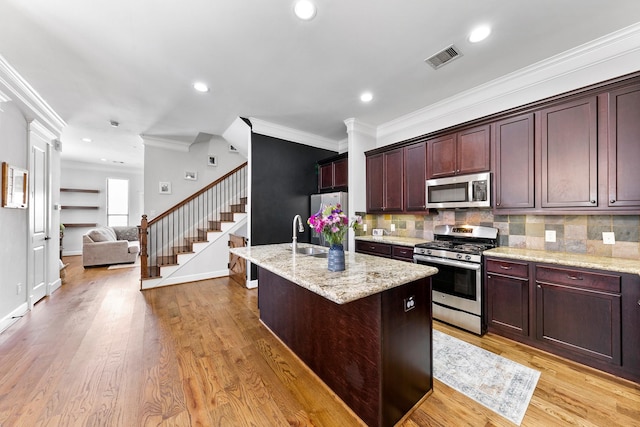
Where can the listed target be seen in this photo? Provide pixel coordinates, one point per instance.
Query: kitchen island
(365, 331)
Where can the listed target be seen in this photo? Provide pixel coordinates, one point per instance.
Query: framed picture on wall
(212, 161)
(191, 176)
(164, 187)
(14, 187)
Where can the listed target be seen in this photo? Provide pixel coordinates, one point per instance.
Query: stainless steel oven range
(457, 288)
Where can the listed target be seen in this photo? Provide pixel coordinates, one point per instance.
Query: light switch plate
(378, 231)
(608, 238)
(393, 227)
(549, 235)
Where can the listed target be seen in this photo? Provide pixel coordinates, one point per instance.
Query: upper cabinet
(460, 153)
(333, 174)
(514, 162)
(385, 181)
(569, 158)
(415, 175)
(624, 147)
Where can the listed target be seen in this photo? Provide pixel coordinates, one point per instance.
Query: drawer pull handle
(505, 267)
(639, 302)
(574, 277)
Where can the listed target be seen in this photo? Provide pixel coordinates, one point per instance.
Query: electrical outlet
(364, 227)
(549, 235)
(409, 303)
(393, 227)
(608, 238)
(18, 288)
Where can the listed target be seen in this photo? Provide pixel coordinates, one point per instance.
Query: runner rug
(500, 384)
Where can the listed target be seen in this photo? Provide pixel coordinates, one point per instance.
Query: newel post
(142, 236)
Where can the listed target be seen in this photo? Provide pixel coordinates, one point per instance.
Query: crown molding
(165, 143)
(607, 57)
(355, 125)
(288, 134)
(22, 92)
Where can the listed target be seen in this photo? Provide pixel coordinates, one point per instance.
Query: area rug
(500, 384)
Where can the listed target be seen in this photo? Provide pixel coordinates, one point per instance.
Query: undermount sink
(316, 252)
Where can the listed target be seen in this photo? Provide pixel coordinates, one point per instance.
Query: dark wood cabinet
(415, 175)
(585, 315)
(402, 253)
(333, 175)
(385, 187)
(513, 148)
(624, 147)
(386, 250)
(569, 158)
(579, 312)
(507, 289)
(463, 152)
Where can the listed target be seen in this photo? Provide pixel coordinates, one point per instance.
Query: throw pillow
(126, 233)
(101, 235)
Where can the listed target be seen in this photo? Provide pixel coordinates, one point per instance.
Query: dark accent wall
(283, 175)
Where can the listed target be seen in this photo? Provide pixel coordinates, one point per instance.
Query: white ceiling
(134, 61)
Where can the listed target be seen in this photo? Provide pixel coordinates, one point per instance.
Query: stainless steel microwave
(462, 191)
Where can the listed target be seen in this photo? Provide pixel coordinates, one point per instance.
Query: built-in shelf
(78, 190)
(85, 225)
(78, 207)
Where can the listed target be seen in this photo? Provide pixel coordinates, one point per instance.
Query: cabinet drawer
(380, 249)
(404, 253)
(582, 279)
(509, 268)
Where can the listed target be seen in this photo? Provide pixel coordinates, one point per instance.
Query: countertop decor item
(333, 224)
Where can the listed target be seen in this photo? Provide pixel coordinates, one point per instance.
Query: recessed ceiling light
(87, 139)
(366, 97)
(104, 160)
(305, 10)
(479, 34)
(201, 87)
(114, 123)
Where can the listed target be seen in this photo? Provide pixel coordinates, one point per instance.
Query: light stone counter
(620, 265)
(392, 240)
(364, 275)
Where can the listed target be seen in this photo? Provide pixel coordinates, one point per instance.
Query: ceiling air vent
(446, 55)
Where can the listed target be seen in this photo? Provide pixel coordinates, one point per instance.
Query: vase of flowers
(333, 224)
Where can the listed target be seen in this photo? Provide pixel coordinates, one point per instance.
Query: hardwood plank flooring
(99, 352)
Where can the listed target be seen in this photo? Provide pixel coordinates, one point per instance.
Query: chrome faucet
(294, 242)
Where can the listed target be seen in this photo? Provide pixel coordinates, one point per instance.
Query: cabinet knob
(593, 202)
(498, 204)
(539, 287)
(505, 267)
(457, 170)
(612, 201)
(489, 277)
(574, 277)
(639, 302)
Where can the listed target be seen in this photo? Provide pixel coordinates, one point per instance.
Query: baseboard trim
(184, 279)
(14, 316)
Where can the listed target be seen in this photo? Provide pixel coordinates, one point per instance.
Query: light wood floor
(99, 352)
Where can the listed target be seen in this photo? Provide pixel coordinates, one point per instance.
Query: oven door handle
(449, 262)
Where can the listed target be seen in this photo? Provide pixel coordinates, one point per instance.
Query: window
(117, 202)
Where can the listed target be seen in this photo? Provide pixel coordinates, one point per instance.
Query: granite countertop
(620, 265)
(392, 240)
(364, 275)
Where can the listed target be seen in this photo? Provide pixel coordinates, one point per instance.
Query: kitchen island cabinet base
(374, 353)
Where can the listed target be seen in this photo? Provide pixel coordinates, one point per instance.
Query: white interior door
(38, 212)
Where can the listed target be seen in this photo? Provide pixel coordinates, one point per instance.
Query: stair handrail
(195, 195)
(145, 223)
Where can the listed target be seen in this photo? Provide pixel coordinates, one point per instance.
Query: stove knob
(468, 257)
(428, 251)
(459, 256)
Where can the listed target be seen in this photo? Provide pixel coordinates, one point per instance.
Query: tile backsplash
(574, 233)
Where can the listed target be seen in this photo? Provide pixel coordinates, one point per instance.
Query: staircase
(189, 241)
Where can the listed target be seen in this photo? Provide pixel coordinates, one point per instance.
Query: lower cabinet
(386, 250)
(589, 316)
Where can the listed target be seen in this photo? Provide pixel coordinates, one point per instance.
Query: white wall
(14, 223)
(167, 165)
(94, 176)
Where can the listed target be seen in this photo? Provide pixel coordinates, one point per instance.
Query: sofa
(110, 245)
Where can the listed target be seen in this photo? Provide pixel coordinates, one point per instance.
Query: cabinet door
(325, 177)
(394, 180)
(341, 174)
(473, 150)
(508, 304)
(624, 147)
(581, 321)
(514, 163)
(442, 156)
(375, 183)
(415, 175)
(569, 154)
